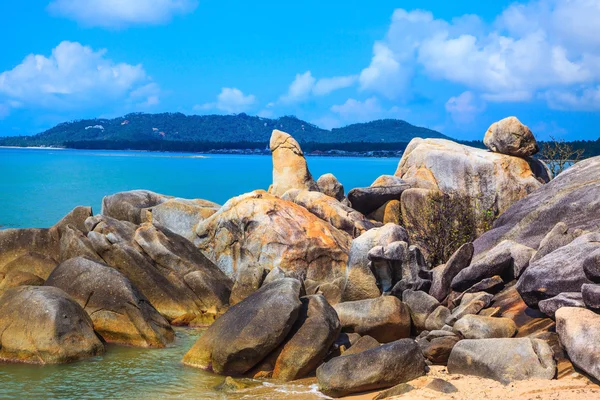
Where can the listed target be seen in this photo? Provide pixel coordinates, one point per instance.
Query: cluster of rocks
(302, 280)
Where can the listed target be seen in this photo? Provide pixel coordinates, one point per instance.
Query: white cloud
(465, 107)
(300, 88)
(583, 100)
(231, 101)
(531, 48)
(305, 85)
(324, 86)
(121, 13)
(72, 77)
(354, 111)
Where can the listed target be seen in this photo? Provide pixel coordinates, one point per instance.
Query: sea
(39, 186)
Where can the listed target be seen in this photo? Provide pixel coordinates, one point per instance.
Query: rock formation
(290, 170)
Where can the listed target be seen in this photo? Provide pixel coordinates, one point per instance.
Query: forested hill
(220, 130)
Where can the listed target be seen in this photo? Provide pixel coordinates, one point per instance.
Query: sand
(574, 387)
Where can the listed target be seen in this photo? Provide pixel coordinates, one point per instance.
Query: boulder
(310, 339)
(591, 296)
(397, 390)
(551, 305)
(389, 213)
(387, 180)
(508, 260)
(558, 272)
(509, 136)
(33, 263)
(385, 366)
(329, 185)
(44, 325)
(438, 350)
(479, 327)
(361, 283)
(177, 279)
(443, 275)
(579, 332)
(442, 386)
(415, 275)
(249, 330)
(491, 285)
(131, 206)
(330, 210)
(572, 197)
(591, 266)
(369, 199)
(119, 312)
(384, 318)
(437, 319)
(290, 170)
(261, 229)
(420, 305)
(503, 360)
(494, 181)
(471, 303)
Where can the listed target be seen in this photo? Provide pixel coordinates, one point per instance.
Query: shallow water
(38, 187)
(134, 373)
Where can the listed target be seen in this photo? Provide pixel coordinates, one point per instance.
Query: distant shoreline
(247, 152)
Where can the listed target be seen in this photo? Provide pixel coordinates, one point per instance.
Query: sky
(451, 66)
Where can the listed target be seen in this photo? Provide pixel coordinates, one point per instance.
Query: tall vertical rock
(289, 165)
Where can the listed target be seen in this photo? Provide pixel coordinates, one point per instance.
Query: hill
(176, 131)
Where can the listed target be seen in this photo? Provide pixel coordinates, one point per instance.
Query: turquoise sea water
(39, 186)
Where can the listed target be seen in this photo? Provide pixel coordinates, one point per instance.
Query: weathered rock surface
(591, 266)
(579, 332)
(443, 275)
(261, 229)
(249, 330)
(558, 237)
(509, 136)
(331, 210)
(551, 305)
(249, 279)
(572, 197)
(508, 260)
(558, 272)
(119, 312)
(290, 170)
(437, 319)
(131, 206)
(310, 339)
(384, 318)
(415, 273)
(369, 199)
(479, 327)
(364, 343)
(504, 360)
(382, 367)
(496, 180)
(361, 283)
(420, 305)
(329, 185)
(43, 325)
(177, 279)
(397, 390)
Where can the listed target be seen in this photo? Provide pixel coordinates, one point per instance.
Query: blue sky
(451, 66)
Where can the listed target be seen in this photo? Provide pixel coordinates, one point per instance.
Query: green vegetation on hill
(214, 131)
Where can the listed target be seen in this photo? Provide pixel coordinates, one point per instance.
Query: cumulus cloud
(72, 77)
(231, 101)
(121, 13)
(532, 48)
(354, 111)
(465, 107)
(305, 85)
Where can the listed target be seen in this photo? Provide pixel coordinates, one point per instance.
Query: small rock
(397, 390)
(440, 385)
(437, 319)
(439, 349)
(328, 184)
(471, 303)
